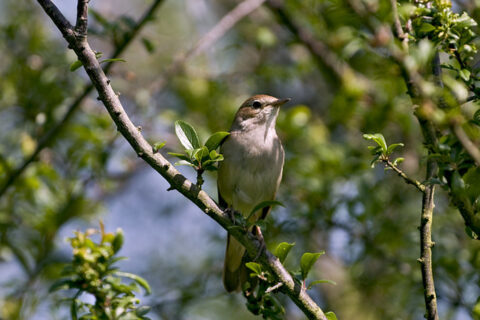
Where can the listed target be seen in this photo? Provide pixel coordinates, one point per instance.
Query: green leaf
(265, 204)
(379, 139)
(321, 281)
(398, 161)
(282, 250)
(142, 282)
(184, 163)
(187, 135)
(157, 146)
(464, 74)
(117, 242)
(113, 60)
(374, 160)
(143, 310)
(181, 156)
(200, 153)
(216, 139)
(426, 27)
(73, 310)
(307, 261)
(255, 267)
(331, 316)
(61, 284)
(148, 45)
(74, 66)
(374, 150)
(392, 147)
(476, 115)
(458, 185)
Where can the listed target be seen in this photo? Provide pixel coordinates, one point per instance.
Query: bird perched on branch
(249, 174)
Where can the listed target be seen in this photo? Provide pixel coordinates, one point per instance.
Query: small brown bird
(250, 173)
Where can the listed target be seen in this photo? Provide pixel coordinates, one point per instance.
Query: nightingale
(249, 174)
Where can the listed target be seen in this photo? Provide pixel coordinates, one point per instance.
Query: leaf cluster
(200, 157)
(382, 151)
(262, 302)
(92, 271)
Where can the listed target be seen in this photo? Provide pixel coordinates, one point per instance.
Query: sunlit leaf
(282, 250)
(187, 135)
(216, 139)
(307, 261)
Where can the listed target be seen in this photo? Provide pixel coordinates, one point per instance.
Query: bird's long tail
(234, 271)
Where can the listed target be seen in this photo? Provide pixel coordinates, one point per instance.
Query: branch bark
(426, 242)
(418, 96)
(54, 131)
(177, 181)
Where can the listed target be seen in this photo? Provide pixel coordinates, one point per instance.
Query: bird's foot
(230, 213)
(263, 246)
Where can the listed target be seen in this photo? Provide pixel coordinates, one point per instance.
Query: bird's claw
(258, 233)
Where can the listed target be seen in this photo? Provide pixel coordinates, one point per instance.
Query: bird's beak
(280, 102)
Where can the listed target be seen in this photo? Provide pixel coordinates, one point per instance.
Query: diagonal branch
(144, 150)
(55, 130)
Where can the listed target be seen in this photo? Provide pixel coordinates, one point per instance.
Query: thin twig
(398, 25)
(273, 288)
(402, 174)
(54, 131)
(242, 10)
(144, 150)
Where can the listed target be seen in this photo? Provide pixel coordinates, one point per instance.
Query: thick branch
(51, 134)
(179, 182)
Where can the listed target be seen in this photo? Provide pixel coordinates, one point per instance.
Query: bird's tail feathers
(234, 270)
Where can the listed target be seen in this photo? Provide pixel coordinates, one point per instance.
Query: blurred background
(83, 171)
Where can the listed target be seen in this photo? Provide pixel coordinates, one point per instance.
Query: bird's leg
(231, 213)
(263, 246)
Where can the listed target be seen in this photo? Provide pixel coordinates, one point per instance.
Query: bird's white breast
(252, 169)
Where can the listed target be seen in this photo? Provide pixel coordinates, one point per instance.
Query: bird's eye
(256, 104)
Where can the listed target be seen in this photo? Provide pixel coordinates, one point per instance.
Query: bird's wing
(223, 204)
(221, 201)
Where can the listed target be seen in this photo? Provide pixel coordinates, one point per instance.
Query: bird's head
(259, 110)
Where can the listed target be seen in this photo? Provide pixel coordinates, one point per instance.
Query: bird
(249, 174)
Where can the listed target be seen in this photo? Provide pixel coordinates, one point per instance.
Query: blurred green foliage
(366, 220)
(92, 271)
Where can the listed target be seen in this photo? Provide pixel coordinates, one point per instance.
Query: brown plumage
(250, 173)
